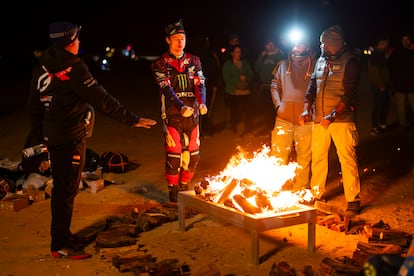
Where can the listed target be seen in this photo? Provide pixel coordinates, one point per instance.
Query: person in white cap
(62, 98)
(332, 91)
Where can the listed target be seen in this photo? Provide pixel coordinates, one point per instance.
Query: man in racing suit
(182, 89)
(61, 102)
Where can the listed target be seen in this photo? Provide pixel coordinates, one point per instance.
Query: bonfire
(254, 184)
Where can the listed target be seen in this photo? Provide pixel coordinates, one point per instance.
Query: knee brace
(172, 167)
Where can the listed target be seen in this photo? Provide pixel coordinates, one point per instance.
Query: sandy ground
(206, 245)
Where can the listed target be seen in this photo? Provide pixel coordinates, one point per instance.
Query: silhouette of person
(212, 71)
(402, 71)
(263, 66)
(238, 76)
(380, 83)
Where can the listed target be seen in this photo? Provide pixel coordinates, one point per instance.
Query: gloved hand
(169, 140)
(187, 111)
(203, 109)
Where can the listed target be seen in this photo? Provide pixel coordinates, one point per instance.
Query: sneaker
(71, 254)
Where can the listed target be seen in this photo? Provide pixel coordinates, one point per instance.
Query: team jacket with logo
(63, 95)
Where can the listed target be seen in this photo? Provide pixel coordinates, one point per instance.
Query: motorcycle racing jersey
(181, 82)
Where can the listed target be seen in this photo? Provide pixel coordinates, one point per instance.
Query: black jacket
(401, 64)
(61, 97)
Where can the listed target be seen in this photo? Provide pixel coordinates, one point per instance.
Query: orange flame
(262, 175)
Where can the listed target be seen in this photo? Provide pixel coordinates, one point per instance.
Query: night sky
(142, 23)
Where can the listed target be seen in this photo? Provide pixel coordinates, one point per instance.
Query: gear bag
(114, 162)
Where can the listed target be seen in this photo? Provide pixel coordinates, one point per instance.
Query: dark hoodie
(61, 97)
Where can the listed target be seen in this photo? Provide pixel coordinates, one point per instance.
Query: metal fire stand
(246, 221)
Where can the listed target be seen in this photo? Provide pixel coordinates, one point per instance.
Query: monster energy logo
(182, 81)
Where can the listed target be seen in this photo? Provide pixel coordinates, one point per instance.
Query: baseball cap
(175, 28)
(62, 33)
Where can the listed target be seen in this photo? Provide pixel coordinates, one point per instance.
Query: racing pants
(182, 151)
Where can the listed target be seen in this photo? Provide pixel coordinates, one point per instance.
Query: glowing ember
(254, 185)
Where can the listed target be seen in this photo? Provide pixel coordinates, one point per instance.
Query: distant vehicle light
(105, 65)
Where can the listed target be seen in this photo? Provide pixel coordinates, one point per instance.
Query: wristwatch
(331, 117)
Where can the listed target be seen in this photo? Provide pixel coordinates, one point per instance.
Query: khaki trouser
(284, 136)
(345, 137)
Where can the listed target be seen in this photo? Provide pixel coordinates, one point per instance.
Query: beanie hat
(63, 33)
(175, 28)
(333, 36)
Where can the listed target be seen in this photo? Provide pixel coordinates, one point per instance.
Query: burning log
(245, 205)
(230, 183)
(262, 201)
(229, 203)
(247, 192)
(246, 183)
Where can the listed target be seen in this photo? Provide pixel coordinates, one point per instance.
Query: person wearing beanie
(62, 97)
(330, 101)
(333, 37)
(63, 33)
(181, 83)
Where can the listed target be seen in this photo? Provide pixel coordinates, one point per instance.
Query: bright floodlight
(295, 36)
